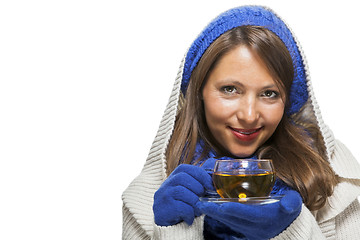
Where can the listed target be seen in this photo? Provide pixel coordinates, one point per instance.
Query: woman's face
(242, 103)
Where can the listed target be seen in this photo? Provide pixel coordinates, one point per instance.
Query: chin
(243, 155)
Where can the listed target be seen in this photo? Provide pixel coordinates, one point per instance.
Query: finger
(179, 212)
(197, 212)
(291, 202)
(207, 207)
(209, 165)
(187, 181)
(185, 195)
(196, 172)
(186, 212)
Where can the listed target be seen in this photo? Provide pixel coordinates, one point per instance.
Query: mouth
(246, 134)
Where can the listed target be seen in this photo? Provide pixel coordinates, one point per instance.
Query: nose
(248, 111)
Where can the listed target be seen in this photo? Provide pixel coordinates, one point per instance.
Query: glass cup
(244, 178)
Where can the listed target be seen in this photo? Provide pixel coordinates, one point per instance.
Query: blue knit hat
(258, 16)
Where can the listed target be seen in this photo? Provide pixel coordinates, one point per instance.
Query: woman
(244, 92)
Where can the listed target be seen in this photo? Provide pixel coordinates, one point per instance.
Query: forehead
(244, 65)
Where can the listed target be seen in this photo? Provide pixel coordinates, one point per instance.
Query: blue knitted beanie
(258, 16)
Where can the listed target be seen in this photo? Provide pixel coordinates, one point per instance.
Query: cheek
(218, 110)
(274, 115)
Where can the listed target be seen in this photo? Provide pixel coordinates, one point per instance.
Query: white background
(84, 85)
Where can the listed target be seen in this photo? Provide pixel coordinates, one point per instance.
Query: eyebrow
(235, 82)
(270, 86)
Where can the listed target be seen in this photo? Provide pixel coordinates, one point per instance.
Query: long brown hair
(296, 146)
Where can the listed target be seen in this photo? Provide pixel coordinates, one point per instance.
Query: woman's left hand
(256, 221)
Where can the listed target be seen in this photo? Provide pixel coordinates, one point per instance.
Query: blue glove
(176, 199)
(256, 221)
(209, 165)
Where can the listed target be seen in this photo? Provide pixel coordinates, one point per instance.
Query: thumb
(208, 165)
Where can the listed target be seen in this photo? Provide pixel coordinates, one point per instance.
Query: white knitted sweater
(338, 219)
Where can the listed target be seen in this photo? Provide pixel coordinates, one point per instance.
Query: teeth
(246, 133)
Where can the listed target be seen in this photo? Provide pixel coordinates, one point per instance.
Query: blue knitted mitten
(256, 221)
(176, 199)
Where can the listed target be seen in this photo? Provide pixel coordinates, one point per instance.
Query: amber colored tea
(240, 185)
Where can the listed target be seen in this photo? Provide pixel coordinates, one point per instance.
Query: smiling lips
(246, 134)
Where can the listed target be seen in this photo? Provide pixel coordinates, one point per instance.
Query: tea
(239, 184)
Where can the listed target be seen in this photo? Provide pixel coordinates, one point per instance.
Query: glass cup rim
(223, 162)
(245, 160)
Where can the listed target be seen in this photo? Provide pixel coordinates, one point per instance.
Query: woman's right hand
(176, 199)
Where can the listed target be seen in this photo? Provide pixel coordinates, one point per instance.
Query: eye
(270, 94)
(228, 89)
